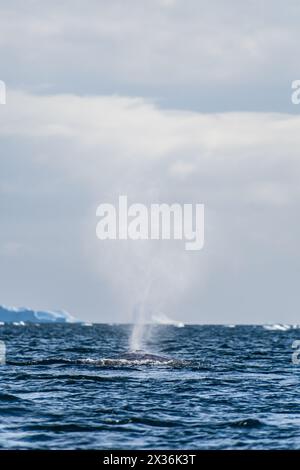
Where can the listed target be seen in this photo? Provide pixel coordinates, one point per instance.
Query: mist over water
(149, 277)
(136, 341)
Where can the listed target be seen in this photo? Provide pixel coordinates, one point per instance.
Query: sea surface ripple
(70, 387)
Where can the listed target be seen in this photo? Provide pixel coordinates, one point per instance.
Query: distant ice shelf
(26, 315)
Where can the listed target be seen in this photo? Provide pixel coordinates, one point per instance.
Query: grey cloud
(215, 56)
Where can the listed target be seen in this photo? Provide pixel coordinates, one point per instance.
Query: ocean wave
(105, 363)
(66, 388)
(131, 362)
(6, 397)
(42, 362)
(147, 360)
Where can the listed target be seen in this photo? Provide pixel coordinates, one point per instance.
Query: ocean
(69, 386)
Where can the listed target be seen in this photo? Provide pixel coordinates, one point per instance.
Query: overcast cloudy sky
(165, 101)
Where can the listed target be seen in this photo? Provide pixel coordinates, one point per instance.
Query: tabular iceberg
(27, 315)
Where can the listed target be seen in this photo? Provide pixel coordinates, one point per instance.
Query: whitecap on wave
(280, 327)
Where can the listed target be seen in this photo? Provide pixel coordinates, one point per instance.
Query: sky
(164, 101)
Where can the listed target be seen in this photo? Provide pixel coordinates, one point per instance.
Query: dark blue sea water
(227, 388)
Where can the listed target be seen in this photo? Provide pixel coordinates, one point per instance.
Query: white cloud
(107, 132)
